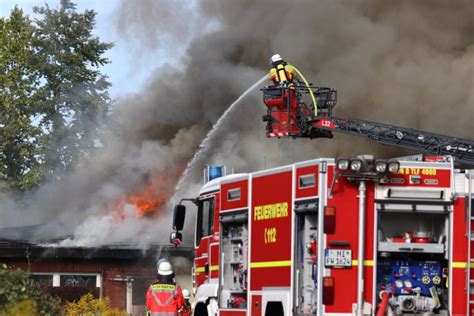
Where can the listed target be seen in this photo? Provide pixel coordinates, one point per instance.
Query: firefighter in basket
(164, 297)
(287, 111)
(282, 74)
(288, 77)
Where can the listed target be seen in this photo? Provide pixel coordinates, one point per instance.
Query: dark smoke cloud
(408, 63)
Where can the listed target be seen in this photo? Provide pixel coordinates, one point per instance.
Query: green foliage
(88, 306)
(20, 295)
(52, 93)
(75, 92)
(19, 81)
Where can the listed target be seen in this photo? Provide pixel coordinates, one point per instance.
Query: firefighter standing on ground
(164, 297)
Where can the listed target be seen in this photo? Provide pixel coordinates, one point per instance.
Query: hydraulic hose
(383, 304)
(309, 89)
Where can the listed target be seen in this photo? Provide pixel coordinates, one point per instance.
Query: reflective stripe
(214, 268)
(163, 287)
(168, 301)
(367, 263)
(460, 265)
(199, 270)
(157, 300)
(270, 264)
(171, 298)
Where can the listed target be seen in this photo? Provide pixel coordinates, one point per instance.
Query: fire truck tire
(200, 310)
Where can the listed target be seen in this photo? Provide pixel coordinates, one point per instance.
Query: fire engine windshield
(204, 225)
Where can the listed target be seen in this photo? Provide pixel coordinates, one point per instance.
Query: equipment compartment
(234, 252)
(412, 263)
(407, 232)
(306, 262)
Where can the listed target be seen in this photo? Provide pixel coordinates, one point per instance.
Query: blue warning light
(215, 172)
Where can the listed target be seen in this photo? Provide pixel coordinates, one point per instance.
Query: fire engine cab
(346, 236)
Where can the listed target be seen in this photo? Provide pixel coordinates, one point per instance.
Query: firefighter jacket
(164, 299)
(282, 74)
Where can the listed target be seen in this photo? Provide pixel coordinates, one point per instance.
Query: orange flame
(150, 200)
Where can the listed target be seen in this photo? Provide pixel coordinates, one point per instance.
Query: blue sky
(127, 73)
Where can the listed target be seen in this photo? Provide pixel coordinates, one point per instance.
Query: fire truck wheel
(200, 310)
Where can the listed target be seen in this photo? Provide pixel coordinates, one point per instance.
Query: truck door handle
(404, 249)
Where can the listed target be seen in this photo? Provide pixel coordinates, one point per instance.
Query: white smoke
(407, 63)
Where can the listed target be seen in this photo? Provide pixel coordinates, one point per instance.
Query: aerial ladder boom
(288, 115)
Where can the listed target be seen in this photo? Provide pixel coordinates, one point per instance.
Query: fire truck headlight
(342, 164)
(356, 164)
(380, 166)
(393, 166)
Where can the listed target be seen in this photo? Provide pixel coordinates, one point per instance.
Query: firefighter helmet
(276, 58)
(164, 267)
(186, 294)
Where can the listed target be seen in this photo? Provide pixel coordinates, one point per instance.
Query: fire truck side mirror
(178, 217)
(329, 219)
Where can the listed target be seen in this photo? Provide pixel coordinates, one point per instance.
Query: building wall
(114, 274)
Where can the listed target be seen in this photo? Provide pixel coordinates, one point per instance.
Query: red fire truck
(335, 237)
(344, 236)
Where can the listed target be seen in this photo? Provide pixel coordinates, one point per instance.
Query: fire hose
(384, 295)
(309, 89)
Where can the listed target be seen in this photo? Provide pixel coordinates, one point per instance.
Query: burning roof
(15, 242)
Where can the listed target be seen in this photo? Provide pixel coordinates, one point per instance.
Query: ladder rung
(471, 302)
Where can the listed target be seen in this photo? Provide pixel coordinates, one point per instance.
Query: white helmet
(164, 268)
(186, 294)
(276, 58)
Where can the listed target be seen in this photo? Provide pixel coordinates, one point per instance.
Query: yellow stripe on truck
(460, 264)
(203, 269)
(367, 263)
(270, 264)
(199, 270)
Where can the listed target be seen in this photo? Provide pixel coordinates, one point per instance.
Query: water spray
(210, 136)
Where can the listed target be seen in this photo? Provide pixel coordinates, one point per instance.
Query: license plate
(338, 258)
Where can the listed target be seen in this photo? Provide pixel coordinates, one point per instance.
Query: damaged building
(118, 271)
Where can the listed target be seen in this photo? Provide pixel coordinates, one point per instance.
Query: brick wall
(144, 270)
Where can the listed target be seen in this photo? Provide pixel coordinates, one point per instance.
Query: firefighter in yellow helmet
(281, 73)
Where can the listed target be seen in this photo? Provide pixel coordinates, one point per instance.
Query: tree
(74, 92)
(52, 93)
(20, 139)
